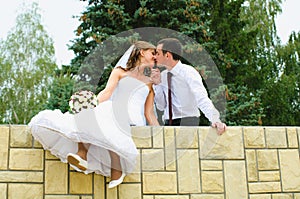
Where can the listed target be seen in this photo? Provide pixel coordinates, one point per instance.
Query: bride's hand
(155, 76)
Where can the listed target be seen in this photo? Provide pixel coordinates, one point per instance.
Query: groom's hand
(221, 127)
(155, 76)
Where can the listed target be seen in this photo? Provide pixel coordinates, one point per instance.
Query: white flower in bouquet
(82, 100)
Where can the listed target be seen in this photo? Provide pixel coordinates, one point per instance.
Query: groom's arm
(159, 95)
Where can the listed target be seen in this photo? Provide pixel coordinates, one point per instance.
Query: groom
(179, 90)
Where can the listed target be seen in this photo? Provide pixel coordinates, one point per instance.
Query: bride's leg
(82, 150)
(116, 170)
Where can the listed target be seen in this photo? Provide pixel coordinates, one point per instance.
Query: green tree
(29, 64)
(246, 31)
(230, 35)
(274, 68)
(282, 93)
(60, 92)
(259, 18)
(104, 19)
(240, 36)
(243, 106)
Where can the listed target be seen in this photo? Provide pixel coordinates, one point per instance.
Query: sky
(56, 18)
(58, 22)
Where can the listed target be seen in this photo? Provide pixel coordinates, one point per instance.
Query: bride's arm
(112, 83)
(149, 109)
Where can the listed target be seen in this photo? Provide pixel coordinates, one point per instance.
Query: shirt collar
(176, 68)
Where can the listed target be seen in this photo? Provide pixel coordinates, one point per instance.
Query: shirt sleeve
(159, 98)
(204, 103)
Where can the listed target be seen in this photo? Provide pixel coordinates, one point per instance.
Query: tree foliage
(239, 35)
(27, 66)
(260, 75)
(60, 92)
(282, 92)
(104, 19)
(259, 65)
(243, 106)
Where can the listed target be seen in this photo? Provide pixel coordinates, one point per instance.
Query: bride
(99, 140)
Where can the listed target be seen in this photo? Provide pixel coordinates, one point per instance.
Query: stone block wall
(174, 163)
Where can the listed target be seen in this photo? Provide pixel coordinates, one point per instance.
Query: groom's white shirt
(188, 94)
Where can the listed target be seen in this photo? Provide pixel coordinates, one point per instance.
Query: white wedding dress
(106, 127)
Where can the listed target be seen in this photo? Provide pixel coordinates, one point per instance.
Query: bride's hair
(134, 57)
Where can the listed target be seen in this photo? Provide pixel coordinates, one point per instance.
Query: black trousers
(185, 121)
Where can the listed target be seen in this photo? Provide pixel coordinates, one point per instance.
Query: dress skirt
(97, 128)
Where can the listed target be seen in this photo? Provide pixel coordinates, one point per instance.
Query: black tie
(170, 98)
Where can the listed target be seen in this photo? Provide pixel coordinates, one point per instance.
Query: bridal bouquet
(82, 100)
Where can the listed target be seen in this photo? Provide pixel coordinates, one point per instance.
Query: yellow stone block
(297, 196)
(267, 159)
(135, 176)
(4, 139)
(158, 137)
(251, 165)
(211, 165)
(227, 146)
(208, 139)
(269, 176)
(153, 159)
(21, 176)
(260, 196)
(172, 197)
(111, 193)
(3, 190)
(276, 137)
(290, 170)
(292, 137)
(132, 191)
(25, 191)
(142, 136)
(167, 183)
(86, 197)
(298, 131)
(80, 183)
(235, 179)
(99, 184)
(207, 196)
(188, 171)
(49, 156)
(186, 137)
(169, 138)
(264, 187)
(37, 144)
(254, 137)
(26, 159)
(282, 196)
(61, 197)
(212, 182)
(56, 177)
(20, 136)
(148, 197)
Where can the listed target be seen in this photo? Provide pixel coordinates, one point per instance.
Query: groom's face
(160, 57)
